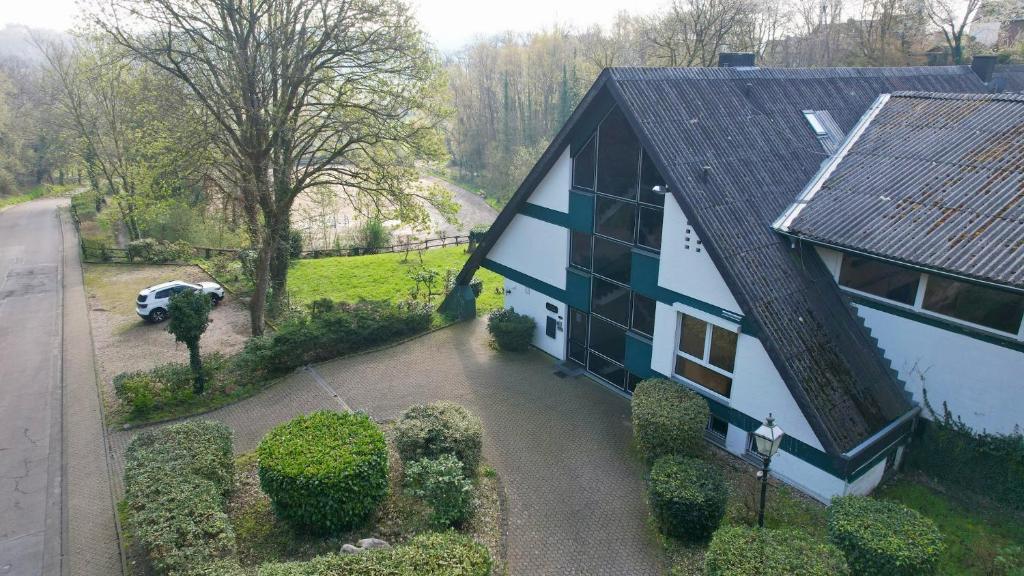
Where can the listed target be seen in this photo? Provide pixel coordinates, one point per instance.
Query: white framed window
(716, 430)
(705, 353)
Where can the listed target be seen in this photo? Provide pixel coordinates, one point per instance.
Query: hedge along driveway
(575, 492)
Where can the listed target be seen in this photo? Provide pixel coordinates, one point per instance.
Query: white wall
(867, 482)
(685, 265)
(533, 303)
(832, 259)
(535, 248)
(757, 389)
(793, 471)
(981, 382)
(553, 190)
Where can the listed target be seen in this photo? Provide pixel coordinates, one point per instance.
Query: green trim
(644, 279)
(935, 322)
(638, 354)
(581, 211)
(524, 279)
(544, 214)
(577, 289)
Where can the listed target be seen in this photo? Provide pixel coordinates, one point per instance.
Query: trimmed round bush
(880, 537)
(511, 331)
(668, 419)
(442, 484)
(687, 497)
(744, 551)
(432, 430)
(324, 472)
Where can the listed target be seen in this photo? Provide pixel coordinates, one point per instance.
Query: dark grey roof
(747, 125)
(933, 180)
(1009, 78)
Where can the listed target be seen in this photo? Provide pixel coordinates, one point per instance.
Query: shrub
(441, 483)
(176, 479)
(668, 419)
(159, 251)
(687, 497)
(880, 537)
(436, 554)
(511, 331)
(168, 385)
(432, 430)
(477, 286)
(345, 329)
(978, 462)
(324, 472)
(743, 551)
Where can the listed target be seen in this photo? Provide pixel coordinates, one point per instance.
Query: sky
(450, 23)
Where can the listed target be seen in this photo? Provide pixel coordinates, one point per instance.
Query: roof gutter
(783, 223)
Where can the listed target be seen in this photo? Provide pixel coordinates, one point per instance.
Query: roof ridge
(999, 97)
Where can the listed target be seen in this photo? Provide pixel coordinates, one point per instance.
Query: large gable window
(584, 164)
(706, 354)
(618, 157)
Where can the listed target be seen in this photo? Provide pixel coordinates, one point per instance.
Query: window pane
(608, 339)
(577, 326)
(616, 219)
(610, 371)
(692, 338)
(879, 278)
(612, 259)
(723, 348)
(580, 250)
(718, 426)
(643, 314)
(704, 376)
(649, 233)
(610, 300)
(631, 381)
(649, 178)
(972, 303)
(618, 157)
(583, 167)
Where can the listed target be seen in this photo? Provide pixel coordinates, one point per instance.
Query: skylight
(816, 125)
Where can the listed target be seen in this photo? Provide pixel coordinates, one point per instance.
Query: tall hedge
(744, 551)
(176, 479)
(687, 496)
(668, 419)
(978, 462)
(432, 430)
(883, 538)
(437, 554)
(344, 329)
(324, 472)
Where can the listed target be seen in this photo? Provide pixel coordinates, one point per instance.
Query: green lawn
(979, 538)
(383, 277)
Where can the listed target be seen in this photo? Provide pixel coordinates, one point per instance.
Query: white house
(642, 244)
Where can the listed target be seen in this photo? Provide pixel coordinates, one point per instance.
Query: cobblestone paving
(562, 446)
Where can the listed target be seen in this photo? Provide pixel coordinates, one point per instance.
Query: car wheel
(157, 316)
(215, 299)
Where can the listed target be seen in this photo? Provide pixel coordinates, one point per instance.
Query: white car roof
(162, 285)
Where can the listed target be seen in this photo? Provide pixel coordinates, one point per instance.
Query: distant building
(642, 244)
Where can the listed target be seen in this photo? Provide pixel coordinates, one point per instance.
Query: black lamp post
(767, 438)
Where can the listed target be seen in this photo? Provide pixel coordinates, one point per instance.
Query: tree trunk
(258, 303)
(197, 368)
(279, 264)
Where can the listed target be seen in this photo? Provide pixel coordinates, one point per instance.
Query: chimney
(984, 66)
(736, 59)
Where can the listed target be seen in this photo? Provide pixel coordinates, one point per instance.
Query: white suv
(152, 302)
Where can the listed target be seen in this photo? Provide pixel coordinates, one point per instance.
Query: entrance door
(578, 332)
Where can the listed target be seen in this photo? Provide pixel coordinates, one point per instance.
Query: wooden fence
(105, 254)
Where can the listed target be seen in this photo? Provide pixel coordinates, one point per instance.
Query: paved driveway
(562, 446)
(574, 490)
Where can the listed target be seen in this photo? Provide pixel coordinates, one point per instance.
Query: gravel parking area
(124, 342)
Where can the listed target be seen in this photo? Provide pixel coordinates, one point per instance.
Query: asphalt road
(30, 389)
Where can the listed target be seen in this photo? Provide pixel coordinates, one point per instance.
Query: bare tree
(953, 18)
(304, 93)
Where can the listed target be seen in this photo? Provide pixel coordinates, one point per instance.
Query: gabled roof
(1009, 78)
(745, 125)
(932, 180)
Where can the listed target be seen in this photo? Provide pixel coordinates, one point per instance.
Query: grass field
(38, 191)
(383, 277)
(978, 538)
